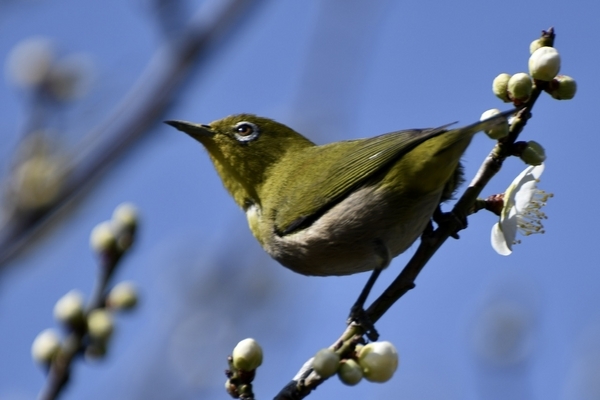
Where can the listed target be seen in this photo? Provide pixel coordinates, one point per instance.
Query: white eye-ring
(245, 131)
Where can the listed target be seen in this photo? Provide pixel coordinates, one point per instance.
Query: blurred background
(86, 87)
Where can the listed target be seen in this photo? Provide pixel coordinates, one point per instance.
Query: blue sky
(346, 70)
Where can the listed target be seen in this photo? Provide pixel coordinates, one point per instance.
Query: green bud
(379, 361)
(38, 181)
(534, 153)
(69, 308)
(499, 130)
(122, 297)
(247, 355)
(520, 87)
(563, 87)
(536, 44)
(500, 87)
(102, 238)
(544, 64)
(100, 324)
(349, 372)
(45, 347)
(326, 363)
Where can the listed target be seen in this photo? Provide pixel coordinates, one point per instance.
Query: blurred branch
(111, 241)
(60, 368)
(306, 380)
(140, 109)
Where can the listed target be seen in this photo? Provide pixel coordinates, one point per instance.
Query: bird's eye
(245, 131)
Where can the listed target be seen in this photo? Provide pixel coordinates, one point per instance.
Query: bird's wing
(337, 173)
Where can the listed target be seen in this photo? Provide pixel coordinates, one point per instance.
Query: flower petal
(525, 194)
(509, 194)
(527, 187)
(499, 242)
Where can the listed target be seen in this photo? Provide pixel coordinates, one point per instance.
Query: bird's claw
(444, 218)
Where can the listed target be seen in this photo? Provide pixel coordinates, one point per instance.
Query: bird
(340, 208)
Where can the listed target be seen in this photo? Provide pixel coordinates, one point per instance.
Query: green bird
(340, 208)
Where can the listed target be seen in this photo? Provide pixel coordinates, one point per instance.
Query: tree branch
(307, 380)
(139, 109)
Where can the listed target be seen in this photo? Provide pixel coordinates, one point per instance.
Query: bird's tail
(434, 161)
(489, 123)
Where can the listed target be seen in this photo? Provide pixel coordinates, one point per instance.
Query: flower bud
(125, 220)
(102, 238)
(563, 87)
(69, 308)
(544, 63)
(126, 215)
(500, 87)
(499, 130)
(536, 44)
(30, 61)
(231, 389)
(379, 361)
(247, 355)
(122, 297)
(519, 87)
(45, 346)
(534, 153)
(38, 180)
(326, 363)
(100, 324)
(349, 372)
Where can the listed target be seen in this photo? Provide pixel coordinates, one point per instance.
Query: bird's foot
(359, 316)
(445, 218)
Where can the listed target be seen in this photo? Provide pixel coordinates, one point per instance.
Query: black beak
(196, 131)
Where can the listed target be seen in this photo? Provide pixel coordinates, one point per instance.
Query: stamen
(529, 222)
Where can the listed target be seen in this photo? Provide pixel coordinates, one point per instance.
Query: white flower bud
(30, 61)
(123, 296)
(379, 361)
(326, 363)
(126, 215)
(125, 220)
(69, 308)
(100, 324)
(102, 238)
(349, 372)
(520, 87)
(45, 346)
(544, 63)
(534, 153)
(500, 87)
(247, 355)
(499, 130)
(563, 87)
